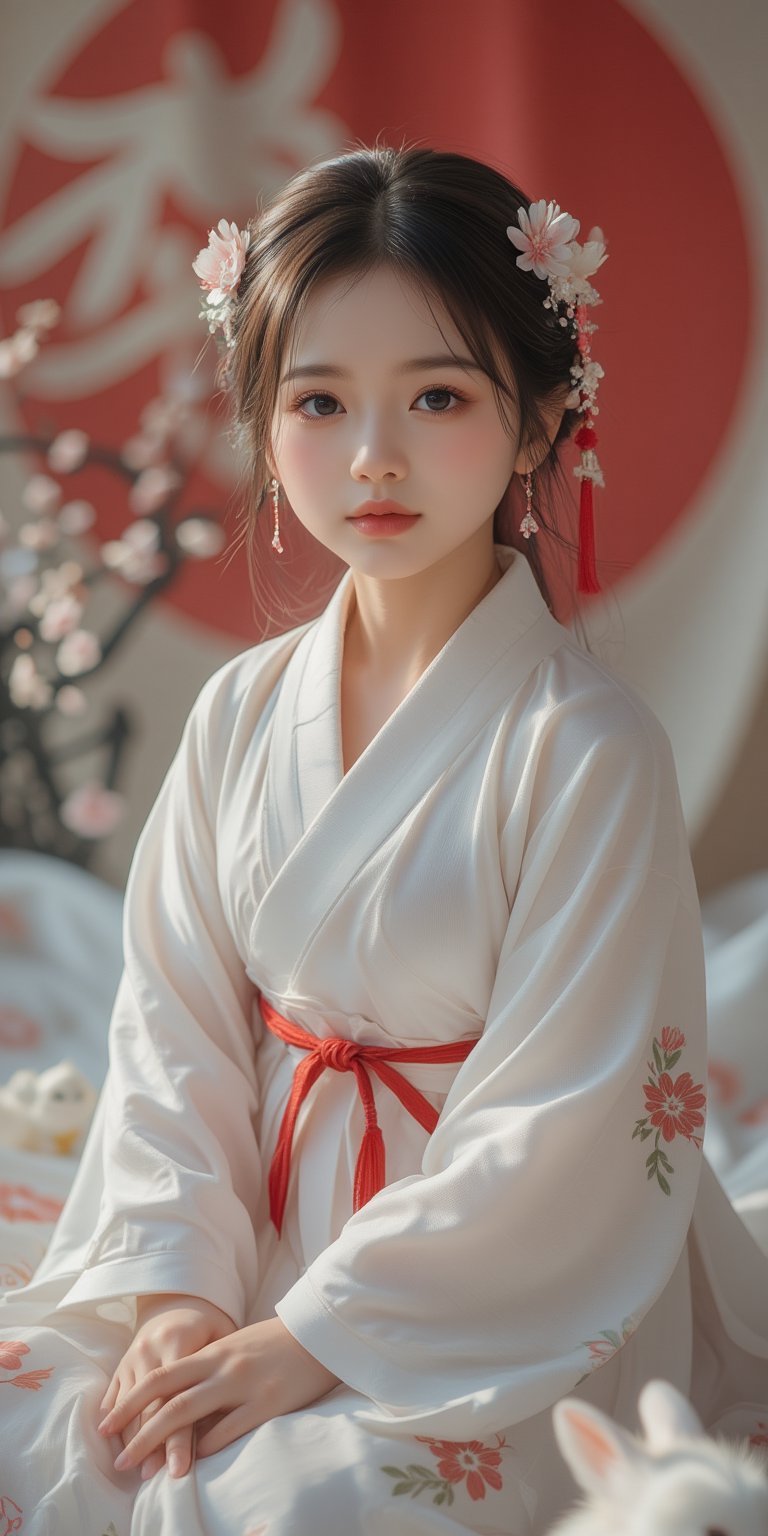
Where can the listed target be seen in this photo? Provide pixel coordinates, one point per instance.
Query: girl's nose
(379, 454)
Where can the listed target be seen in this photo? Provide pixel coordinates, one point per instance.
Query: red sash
(348, 1056)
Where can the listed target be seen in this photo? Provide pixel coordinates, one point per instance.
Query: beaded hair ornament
(545, 238)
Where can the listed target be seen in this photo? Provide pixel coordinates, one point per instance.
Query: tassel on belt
(349, 1056)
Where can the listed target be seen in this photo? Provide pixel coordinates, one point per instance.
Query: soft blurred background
(128, 128)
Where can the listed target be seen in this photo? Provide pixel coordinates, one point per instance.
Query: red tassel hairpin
(546, 239)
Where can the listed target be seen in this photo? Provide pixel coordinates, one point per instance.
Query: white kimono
(507, 863)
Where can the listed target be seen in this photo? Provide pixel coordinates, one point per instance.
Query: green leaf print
(415, 1480)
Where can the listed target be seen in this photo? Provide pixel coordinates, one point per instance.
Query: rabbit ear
(666, 1415)
(601, 1455)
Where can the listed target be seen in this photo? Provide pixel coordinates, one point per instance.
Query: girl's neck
(396, 627)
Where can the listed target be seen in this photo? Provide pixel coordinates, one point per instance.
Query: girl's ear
(602, 1457)
(666, 1415)
(552, 410)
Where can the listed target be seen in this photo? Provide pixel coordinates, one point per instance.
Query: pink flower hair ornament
(545, 238)
(219, 266)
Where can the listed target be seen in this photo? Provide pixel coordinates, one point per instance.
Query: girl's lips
(382, 524)
(381, 508)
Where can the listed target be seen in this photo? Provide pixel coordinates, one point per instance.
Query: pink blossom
(142, 534)
(41, 493)
(200, 537)
(152, 488)
(143, 566)
(27, 688)
(142, 450)
(78, 652)
(68, 451)
(76, 516)
(220, 264)
(16, 351)
(44, 534)
(543, 238)
(61, 616)
(91, 810)
(40, 314)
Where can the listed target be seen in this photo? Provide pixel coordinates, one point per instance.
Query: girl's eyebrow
(414, 364)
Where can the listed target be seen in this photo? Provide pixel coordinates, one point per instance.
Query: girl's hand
(169, 1328)
(249, 1376)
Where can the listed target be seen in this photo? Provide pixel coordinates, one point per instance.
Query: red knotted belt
(348, 1056)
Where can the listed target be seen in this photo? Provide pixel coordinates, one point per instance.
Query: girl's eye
(303, 400)
(438, 390)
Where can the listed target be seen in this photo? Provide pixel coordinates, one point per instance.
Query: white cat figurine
(46, 1111)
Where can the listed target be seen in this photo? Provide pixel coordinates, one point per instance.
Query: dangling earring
(529, 524)
(276, 535)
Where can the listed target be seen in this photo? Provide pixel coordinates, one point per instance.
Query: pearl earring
(276, 535)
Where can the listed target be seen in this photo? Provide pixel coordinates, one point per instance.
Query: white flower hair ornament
(545, 238)
(219, 267)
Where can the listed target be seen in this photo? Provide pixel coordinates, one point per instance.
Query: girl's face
(371, 417)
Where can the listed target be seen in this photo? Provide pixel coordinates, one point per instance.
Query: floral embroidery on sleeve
(674, 1105)
(10, 1360)
(457, 1460)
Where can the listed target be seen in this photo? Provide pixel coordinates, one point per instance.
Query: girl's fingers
(179, 1451)
(165, 1380)
(110, 1396)
(180, 1413)
(229, 1428)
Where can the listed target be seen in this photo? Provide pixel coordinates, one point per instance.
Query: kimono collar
(324, 824)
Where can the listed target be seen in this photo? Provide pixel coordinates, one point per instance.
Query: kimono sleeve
(557, 1188)
(176, 1153)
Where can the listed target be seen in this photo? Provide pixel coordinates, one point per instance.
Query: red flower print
(10, 1355)
(760, 1438)
(675, 1105)
(20, 1203)
(459, 1459)
(671, 1039)
(11, 1516)
(10, 1360)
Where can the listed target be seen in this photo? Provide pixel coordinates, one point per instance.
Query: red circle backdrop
(578, 104)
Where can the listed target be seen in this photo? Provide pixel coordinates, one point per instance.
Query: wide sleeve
(556, 1191)
(173, 1147)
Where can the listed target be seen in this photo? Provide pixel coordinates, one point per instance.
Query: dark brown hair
(439, 220)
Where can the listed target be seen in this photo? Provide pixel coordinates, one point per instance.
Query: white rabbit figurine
(46, 1111)
(678, 1481)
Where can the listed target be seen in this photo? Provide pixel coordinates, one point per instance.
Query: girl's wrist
(162, 1300)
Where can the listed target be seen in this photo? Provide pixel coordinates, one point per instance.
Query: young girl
(401, 1138)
